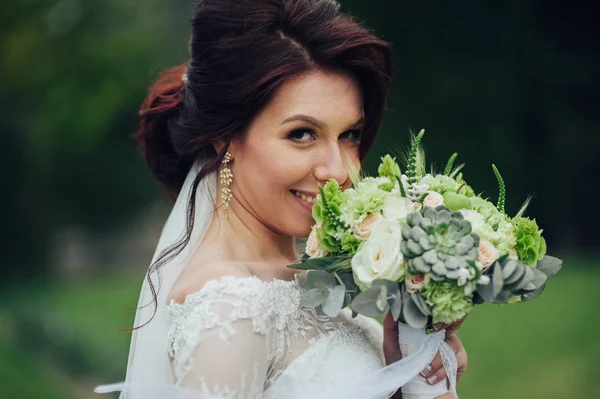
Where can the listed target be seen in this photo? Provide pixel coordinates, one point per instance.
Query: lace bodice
(242, 337)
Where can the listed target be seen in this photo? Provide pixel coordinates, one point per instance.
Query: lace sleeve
(216, 344)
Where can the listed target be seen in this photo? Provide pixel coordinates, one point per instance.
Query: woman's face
(308, 134)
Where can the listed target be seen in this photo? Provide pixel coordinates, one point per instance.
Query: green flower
(484, 207)
(326, 213)
(530, 245)
(440, 183)
(448, 301)
(327, 237)
(366, 198)
(456, 201)
(389, 168)
(464, 187)
(349, 242)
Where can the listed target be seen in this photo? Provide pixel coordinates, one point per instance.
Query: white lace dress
(242, 337)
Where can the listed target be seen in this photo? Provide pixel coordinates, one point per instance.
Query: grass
(547, 348)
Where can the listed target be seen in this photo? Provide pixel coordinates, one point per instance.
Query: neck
(244, 237)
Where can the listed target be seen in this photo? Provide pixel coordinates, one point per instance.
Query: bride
(278, 97)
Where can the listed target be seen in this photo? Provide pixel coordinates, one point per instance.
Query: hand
(448, 395)
(435, 371)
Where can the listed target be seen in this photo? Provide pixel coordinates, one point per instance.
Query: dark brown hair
(241, 52)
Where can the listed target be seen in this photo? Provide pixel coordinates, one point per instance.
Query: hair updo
(241, 52)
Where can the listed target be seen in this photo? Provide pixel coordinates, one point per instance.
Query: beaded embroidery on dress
(242, 337)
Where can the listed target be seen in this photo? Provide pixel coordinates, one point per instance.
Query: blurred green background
(505, 82)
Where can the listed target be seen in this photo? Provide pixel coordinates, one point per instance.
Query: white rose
(313, 249)
(488, 254)
(512, 254)
(379, 257)
(397, 207)
(415, 283)
(363, 230)
(433, 199)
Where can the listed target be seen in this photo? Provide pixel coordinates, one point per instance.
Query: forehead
(328, 96)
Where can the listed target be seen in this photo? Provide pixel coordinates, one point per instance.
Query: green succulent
(440, 242)
(448, 301)
(530, 246)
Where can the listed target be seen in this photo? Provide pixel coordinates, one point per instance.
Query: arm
(217, 353)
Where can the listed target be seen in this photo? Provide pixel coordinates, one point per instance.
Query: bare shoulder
(194, 280)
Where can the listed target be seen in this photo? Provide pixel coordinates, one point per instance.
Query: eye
(302, 135)
(351, 135)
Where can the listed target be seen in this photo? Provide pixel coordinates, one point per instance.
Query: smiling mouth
(309, 199)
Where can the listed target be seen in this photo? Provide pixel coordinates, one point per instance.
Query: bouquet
(422, 246)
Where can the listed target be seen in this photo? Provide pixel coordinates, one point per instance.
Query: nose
(332, 164)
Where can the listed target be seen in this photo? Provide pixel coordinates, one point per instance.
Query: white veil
(148, 364)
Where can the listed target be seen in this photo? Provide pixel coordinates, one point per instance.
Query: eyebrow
(317, 123)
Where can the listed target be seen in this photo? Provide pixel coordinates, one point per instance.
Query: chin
(301, 229)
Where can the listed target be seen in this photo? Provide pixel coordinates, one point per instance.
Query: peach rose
(363, 231)
(488, 254)
(313, 249)
(433, 199)
(415, 283)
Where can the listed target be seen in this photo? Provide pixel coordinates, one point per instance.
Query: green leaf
(501, 189)
(411, 172)
(450, 164)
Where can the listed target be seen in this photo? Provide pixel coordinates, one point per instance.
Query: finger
(448, 395)
(436, 376)
(453, 328)
(433, 367)
(389, 324)
(450, 328)
(391, 347)
(461, 355)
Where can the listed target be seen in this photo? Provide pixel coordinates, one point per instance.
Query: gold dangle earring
(226, 178)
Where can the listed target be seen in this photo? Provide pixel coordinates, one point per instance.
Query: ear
(218, 146)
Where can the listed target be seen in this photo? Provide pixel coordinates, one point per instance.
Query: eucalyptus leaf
(539, 278)
(347, 300)
(486, 291)
(313, 298)
(477, 299)
(421, 303)
(334, 302)
(549, 265)
(503, 297)
(382, 300)
(526, 280)
(497, 281)
(533, 294)
(396, 307)
(366, 303)
(411, 313)
(320, 279)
